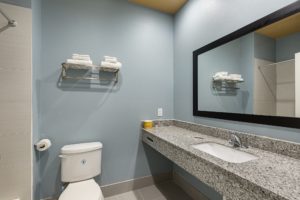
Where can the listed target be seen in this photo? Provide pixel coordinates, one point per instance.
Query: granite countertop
(272, 172)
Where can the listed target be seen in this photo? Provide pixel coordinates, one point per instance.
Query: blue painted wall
(264, 47)
(230, 57)
(22, 3)
(246, 63)
(236, 56)
(277, 50)
(76, 112)
(36, 64)
(201, 22)
(286, 47)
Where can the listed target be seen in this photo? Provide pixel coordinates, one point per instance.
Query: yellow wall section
(167, 6)
(282, 28)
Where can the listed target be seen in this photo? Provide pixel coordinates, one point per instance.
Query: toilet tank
(80, 161)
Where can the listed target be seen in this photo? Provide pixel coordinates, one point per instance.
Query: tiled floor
(162, 191)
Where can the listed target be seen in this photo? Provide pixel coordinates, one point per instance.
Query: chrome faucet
(235, 141)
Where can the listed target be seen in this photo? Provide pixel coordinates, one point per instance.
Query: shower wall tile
(15, 105)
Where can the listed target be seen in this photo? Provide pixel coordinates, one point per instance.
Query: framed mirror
(253, 74)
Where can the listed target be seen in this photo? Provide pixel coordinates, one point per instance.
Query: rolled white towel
(237, 76)
(81, 57)
(221, 74)
(116, 65)
(80, 62)
(110, 59)
(220, 78)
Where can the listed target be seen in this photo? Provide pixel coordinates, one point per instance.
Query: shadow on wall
(49, 160)
(43, 168)
(156, 163)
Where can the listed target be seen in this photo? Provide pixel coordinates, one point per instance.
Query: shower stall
(276, 87)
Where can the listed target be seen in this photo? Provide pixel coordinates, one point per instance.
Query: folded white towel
(116, 65)
(220, 75)
(227, 78)
(111, 60)
(80, 62)
(81, 57)
(235, 76)
(110, 57)
(219, 78)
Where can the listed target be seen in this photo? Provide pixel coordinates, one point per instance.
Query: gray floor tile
(131, 195)
(163, 191)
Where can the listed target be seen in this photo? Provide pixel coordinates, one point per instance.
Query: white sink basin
(225, 153)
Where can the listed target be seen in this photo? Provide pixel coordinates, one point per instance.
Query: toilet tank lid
(81, 148)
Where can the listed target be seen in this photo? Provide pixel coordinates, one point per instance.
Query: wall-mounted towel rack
(10, 22)
(92, 69)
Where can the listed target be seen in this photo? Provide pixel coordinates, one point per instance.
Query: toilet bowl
(80, 163)
(88, 190)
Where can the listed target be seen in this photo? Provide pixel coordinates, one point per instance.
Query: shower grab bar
(10, 22)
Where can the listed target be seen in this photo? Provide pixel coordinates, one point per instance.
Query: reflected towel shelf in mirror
(93, 69)
(223, 84)
(228, 81)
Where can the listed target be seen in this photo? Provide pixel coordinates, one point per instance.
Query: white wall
(297, 85)
(264, 98)
(15, 105)
(285, 89)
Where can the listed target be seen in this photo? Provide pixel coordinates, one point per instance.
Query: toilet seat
(83, 190)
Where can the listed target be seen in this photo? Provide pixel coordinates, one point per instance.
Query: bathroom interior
(149, 100)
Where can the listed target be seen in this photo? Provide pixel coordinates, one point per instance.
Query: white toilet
(80, 163)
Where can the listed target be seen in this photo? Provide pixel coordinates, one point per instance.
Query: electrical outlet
(159, 112)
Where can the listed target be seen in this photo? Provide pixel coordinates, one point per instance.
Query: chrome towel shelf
(92, 69)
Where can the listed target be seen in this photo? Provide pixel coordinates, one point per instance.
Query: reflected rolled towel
(235, 75)
(80, 62)
(220, 76)
(116, 65)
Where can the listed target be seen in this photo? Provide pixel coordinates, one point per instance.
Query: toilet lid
(82, 190)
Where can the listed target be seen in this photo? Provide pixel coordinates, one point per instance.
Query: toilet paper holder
(43, 145)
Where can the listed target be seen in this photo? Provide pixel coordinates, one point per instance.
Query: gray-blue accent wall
(73, 112)
(36, 65)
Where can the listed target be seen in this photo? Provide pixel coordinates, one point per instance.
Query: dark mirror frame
(259, 119)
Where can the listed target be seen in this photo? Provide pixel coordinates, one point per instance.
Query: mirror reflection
(258, 73)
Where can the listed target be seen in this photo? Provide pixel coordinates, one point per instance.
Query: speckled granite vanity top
(271, 176)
